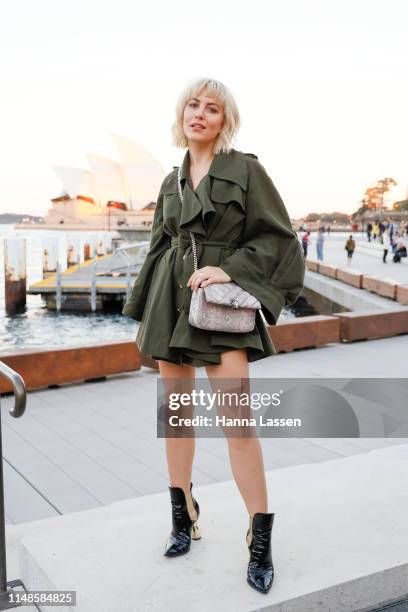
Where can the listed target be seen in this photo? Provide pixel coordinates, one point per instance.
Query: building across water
(109, 196)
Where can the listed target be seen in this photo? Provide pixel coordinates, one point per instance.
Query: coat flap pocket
(226, 191)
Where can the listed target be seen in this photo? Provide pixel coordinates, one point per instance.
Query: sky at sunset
(321, 86)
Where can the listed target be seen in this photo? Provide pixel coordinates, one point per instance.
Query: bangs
(213, 89)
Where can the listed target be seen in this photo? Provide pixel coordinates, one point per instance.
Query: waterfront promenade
(367, 257)
(87, 445)
(89, 451)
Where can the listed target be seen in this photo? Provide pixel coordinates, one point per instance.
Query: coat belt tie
(180, 241)
(186, 242)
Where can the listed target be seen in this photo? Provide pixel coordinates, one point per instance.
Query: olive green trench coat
(240, 225)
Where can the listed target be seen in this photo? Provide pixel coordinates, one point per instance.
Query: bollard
(73, 248)
(58, 292)
(15, 275)
(49, 255)
(85, 250)
(18, 410)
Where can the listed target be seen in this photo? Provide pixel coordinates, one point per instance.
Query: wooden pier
(98, 284)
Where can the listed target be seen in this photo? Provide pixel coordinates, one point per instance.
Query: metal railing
(119, 264)
(120, 257)
(17, 411)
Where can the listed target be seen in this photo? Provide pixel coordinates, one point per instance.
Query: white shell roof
(77, 181)
(143, 173)
(135, 181)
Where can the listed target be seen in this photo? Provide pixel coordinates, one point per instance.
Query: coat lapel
(230, 167)
(229, 178)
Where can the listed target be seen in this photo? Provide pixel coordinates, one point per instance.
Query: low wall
(47, 367)
(385, 287)
(305, 332)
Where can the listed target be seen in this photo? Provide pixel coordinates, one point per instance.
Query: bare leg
(245, 453)
(180, 451)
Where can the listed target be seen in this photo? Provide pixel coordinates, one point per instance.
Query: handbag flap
(230, 294)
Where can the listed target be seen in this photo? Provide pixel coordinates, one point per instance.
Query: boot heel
(196, 533)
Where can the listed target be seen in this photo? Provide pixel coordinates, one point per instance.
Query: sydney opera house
(110, 195)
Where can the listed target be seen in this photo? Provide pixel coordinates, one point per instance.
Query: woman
(243, 234)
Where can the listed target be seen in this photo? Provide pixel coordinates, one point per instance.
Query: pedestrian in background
(305, 242)
(369, 230)
(391, 230)
(350, 246)
(320, 243)
(386, 244)
(376, 230)
(400, 250)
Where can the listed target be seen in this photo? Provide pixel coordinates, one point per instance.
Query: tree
(337, 217)
(311, 217)
(401, 205)
(384, 186)
(374, 195)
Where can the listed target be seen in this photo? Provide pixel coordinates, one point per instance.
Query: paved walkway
(367, 256)
(87, 445)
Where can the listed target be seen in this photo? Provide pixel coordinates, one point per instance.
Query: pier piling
(58, 292)
(93, 287)
(49, 256)
(15, 275)
(73, 249)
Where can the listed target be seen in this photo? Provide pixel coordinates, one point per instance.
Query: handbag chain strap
(193, 243)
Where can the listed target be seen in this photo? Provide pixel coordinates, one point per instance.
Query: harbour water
(38, 327)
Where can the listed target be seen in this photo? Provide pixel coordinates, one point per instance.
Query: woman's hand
(207, 275)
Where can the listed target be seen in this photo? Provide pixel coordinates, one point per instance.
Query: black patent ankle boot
(260, 568)
(185, 513)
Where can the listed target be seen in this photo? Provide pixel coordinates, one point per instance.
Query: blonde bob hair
(232, 120)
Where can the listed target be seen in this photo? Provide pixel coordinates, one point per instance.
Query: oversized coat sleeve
(269, 262)
(159, 242)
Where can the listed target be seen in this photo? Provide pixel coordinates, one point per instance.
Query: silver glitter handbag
(220, 306)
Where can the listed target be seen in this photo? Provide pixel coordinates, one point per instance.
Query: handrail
(19, 389)
(20, 394)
